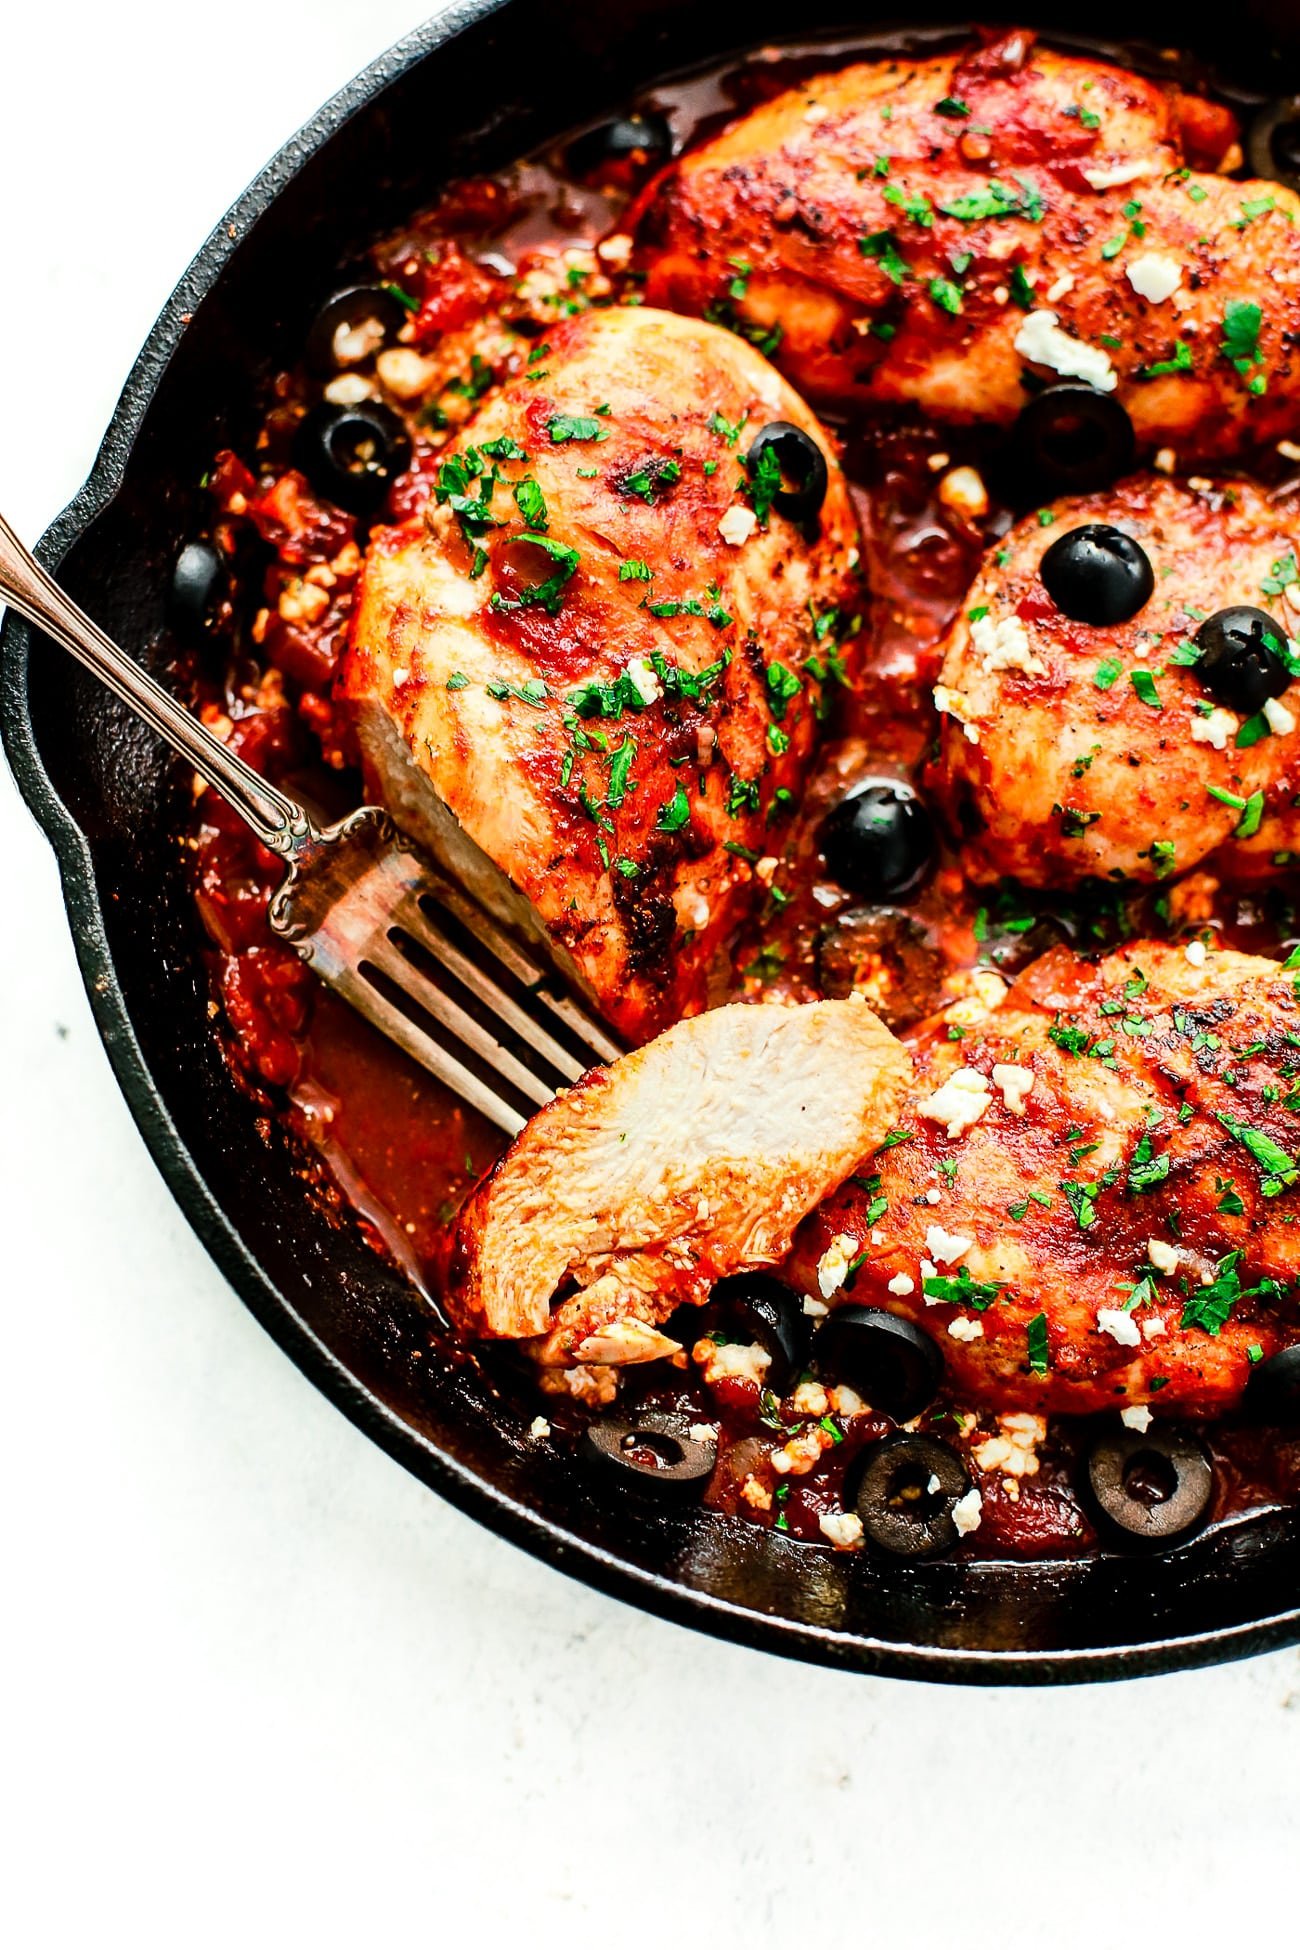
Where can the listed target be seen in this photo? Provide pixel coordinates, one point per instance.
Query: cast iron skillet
(486, 82)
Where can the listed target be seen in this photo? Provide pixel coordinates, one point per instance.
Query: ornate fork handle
(278, 820)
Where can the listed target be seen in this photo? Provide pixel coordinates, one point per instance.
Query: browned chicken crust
(689, 1159)
(1093, 1203)
(620, 714)
(1069, 750)
(948, 232)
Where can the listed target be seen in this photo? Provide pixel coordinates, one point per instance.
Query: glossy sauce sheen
(382, 1140)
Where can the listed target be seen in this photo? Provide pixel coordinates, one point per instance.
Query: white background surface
(261, 1688)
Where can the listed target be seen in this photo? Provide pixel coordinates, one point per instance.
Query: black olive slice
(900, 1511)
(1072, 439)
(771, 1313)
(353, 324)
(353, 454)
(1274, 1386)
(199, 584)
(650, 1452)
(802, 463)
(1273, 142)
(878, 842)
(1097, 574)
(643, 141)
(1243, 660)
(1154, 1488)
(891, 1362)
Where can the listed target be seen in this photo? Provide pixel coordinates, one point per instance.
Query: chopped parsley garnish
(914, 205)
(1284, 575)
(1036, 1343)
(646, 482)
(954, 109)
(960, 1290)
(620, 768)
(634, 570)
(1106, 673)
(1240, 343)
(946, 294)
(1281, 1168)
(728, 430)
(1022, 292)
(882, 246)
(996, 200)
(1180, 362)
(547, 595)
(675, 813)
(575, 426)
(782, 685)
(1145, 686)
(531, 502)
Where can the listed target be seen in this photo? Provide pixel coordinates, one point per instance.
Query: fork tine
(411, 918)
(398, 1027)
(534, 975)
(389, 961)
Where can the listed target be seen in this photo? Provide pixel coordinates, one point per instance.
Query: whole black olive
(353, 454)
(802, 463)
(650, 1452)
(643, 141)
(892, 1363)
(353, 324)
(1273, 143)
(907, 1493)
(771, 1313)
(199, 584)
(1243, 659)
(1097, 574)
(1274, 1386)
(1071, 439)
(879, 841)
(1154, 1488)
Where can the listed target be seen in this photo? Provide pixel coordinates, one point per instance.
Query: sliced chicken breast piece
(692, 1158)
(589, 677)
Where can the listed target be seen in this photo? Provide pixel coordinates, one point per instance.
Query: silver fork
(400, 941)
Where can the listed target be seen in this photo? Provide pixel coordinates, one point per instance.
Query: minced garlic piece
(737, 525)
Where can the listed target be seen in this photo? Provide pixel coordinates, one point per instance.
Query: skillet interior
(489, 81)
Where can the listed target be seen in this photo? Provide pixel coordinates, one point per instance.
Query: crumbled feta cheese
(756, 1493)
(962, 489)
(1120, 173)
(809, 1398)
(841, 1528)
(1194, 952)
(846, 1402)
(615, 250)
(1280, 720)
(1166, 460)
(833, 1266)
(1136, 1418)
(1154, 277)
(802, 1452)
(1004, 645)
(928, 1269)
(1014, 1450)
(966, 1329)
(933, 1487)
(348, 389)
(1041, 341)
(946, 1248)
(644, 680)
(955, 704)
(1153, 1328)
(539, 1426)
(704, 1432)
(1164, 1258)
(966, 1512)
(732, 1362)
(902, 1284)
(1120, 1326)
(1015, 1082)
(933, 1196)
(1289, 449)
(404, 372)
(1216, 729)
(1057, 291)
(958, 1103)
(737, 525)
(815, 1309)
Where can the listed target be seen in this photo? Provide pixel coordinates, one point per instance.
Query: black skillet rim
(511, 1519)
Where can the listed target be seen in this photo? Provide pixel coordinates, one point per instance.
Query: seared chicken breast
(692, 1158)
(950, 232)
(1095, 1201)
(1068, 749)
(589, 675)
